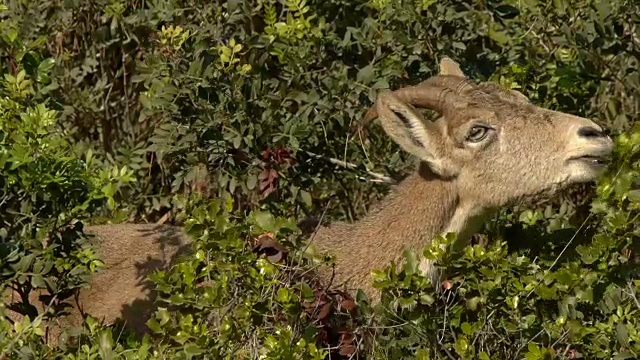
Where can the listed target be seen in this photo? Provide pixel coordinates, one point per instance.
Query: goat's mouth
(593, 161)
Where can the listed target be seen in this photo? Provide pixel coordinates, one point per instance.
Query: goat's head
(491, 141)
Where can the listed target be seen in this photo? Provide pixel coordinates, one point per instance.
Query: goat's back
(121, 290)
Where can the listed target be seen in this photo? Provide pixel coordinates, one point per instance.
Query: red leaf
(348, 304)
(324, 311)
(267, 178)
(347, 350)
(447, 284)
(266, 245)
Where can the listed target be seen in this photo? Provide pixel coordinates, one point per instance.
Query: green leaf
(284, 296)
(634, 195)
(624, 355)
(233, 183)
(422, 354)
(106, 344)
(622, 333)
(45, 67)
(252, 180)
(499, 36)
(466, 328)
(365, 75)
(192, 349)
(411, 262)
(12, 34)
(37, 281)
(427, 299)
(162, 315)
(307, 292)
(264, 220)
(546, 292)
(195, 69)
(306, 198)
(407, 302)
(533, 349)
(472, 304)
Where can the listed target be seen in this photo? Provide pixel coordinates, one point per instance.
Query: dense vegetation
(226, 116)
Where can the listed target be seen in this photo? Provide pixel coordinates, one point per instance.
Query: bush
(45, 192)
(231, 116)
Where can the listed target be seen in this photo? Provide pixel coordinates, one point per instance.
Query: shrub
(231, 117)
(45, 191)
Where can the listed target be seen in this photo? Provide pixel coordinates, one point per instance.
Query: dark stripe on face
(408, 126)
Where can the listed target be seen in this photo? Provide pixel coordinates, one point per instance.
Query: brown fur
(381, 236)
(121, 290)
(457, 185)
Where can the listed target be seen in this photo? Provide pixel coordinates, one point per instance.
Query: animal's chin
(586, 168)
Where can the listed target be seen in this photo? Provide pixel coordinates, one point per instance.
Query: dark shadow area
(172, 243)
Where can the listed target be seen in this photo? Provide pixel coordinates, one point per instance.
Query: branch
(376, 177)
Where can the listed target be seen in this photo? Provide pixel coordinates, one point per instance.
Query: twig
(348, 165)
(562, 252)
(164, 218)
(633, 296)
(530, 341)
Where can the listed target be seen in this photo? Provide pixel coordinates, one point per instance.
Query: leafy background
(228, 118)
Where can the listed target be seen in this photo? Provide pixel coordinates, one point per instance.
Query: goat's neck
(419, 209)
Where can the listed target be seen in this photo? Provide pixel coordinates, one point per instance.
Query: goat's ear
(450, 67)
(408, 128)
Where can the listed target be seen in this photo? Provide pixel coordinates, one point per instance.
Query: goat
(489, 148)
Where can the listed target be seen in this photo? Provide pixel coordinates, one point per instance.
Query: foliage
(44, 191)
(230, 116)
(241, 299)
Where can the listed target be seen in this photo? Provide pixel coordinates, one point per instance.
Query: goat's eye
(477, 133)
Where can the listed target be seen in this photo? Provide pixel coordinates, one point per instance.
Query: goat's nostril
(590, 131)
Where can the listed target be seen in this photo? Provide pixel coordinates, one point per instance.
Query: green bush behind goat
(206, 100)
